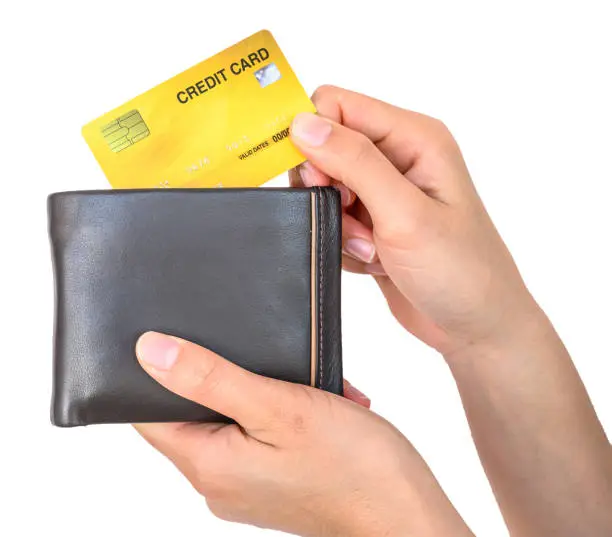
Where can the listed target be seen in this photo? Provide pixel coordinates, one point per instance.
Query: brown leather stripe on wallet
(313, 292)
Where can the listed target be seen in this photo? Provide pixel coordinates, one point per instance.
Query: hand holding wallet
(252, 274)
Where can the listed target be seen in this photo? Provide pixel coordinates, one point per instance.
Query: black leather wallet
(253, 274)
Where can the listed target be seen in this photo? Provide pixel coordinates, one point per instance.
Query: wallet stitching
(314, 357)
(320, 241)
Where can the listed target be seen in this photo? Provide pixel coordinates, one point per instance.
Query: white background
(525, 87)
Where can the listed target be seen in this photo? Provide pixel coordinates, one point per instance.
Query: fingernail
(354, 393)
(346, 195)
(157, 350)
(311, 129)
(307, 174)
(375, 269)
(360, 249)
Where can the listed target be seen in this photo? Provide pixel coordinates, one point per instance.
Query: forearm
(414, 505)
(542, 446)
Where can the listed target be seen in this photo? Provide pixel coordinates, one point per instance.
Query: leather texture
(229, 269)
(329, 263)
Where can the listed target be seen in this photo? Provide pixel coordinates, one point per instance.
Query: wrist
(526, 326)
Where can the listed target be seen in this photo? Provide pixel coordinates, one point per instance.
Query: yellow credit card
(224, 122)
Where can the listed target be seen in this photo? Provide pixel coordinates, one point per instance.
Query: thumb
(206, 378)
(353, 159)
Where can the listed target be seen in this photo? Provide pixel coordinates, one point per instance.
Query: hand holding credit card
(224, 122)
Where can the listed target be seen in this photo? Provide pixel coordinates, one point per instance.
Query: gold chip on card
(125, 131)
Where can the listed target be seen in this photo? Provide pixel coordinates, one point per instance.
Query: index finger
(402, 135)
